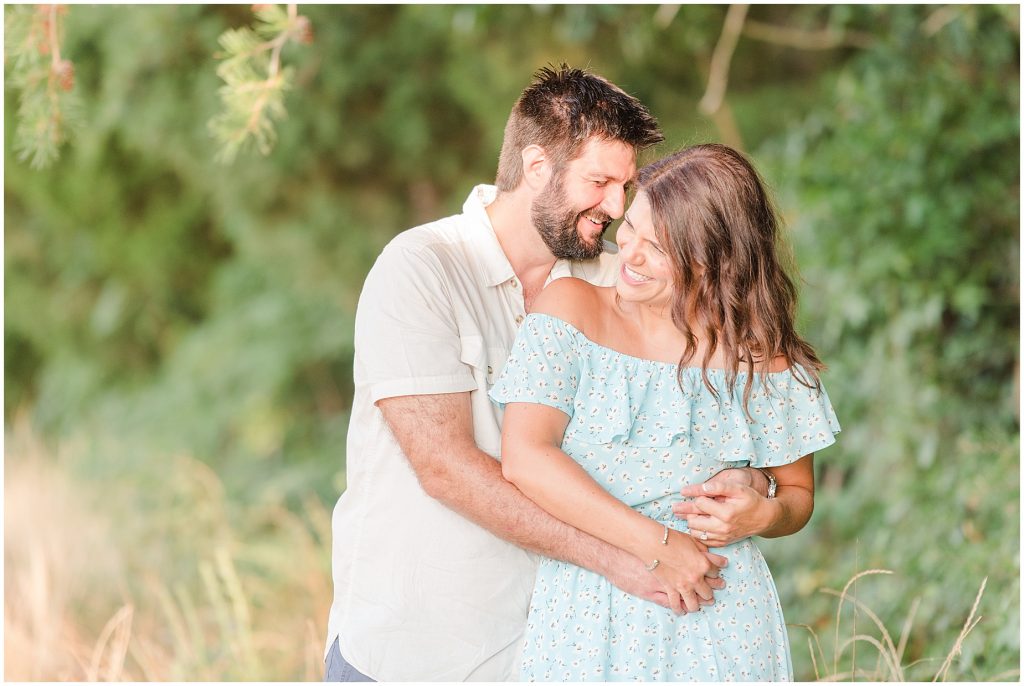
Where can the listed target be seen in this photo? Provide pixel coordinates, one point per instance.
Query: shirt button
(519, 319)
(489, 370)
(515, 284)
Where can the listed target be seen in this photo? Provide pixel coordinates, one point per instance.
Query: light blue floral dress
(642, 437)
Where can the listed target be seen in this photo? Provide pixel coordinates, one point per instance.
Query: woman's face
(645, 272)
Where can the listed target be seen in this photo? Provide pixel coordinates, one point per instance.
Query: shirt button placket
(514, 282)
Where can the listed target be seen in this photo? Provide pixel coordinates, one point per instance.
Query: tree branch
(938, 19)
(665, 14)
(718, 79)
(825, 39)
(54, 39)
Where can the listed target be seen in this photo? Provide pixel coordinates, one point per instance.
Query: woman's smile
(632, 277)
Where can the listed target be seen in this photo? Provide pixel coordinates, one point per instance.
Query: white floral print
(642, 436)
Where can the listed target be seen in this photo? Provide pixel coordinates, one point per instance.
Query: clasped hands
(688, 572)
(726, 508)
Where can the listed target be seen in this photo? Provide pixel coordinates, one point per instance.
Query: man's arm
(435, 433)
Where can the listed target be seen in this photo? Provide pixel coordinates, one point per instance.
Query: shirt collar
(561, 268)
(491, 258)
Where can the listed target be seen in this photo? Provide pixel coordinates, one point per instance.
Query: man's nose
(614, 204)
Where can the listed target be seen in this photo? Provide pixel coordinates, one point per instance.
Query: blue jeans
(337, 669)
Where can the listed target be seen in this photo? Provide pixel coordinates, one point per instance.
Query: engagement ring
(703, 535)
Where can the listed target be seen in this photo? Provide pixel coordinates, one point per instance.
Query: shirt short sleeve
(406, 334)
(543, 366)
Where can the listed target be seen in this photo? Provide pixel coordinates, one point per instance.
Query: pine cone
(64, 72)
(303, 30)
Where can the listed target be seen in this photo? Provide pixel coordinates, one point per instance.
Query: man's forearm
(435, 434)
(479, 492)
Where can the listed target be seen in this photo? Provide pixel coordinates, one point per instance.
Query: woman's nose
(628, 248)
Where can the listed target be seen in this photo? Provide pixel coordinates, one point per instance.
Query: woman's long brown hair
(711, 210)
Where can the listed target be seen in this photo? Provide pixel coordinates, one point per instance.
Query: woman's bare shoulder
(572, 300)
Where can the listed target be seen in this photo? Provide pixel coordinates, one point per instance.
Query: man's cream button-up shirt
(422, 594)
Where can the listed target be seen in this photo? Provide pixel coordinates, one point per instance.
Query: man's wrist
(613, 562)
(594, 554)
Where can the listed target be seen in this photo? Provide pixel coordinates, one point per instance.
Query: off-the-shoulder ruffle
(543, 365)
(612, 397)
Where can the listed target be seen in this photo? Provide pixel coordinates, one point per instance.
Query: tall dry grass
(881, 658)
(102, 585)
(53, 565)
(90, 594)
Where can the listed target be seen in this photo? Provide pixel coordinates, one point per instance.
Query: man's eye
(600, 184)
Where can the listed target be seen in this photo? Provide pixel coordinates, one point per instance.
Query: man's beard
(556, 223)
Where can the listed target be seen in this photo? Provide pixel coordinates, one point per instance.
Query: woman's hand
(688, 571)
(724, 510)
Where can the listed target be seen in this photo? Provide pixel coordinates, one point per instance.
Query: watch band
(772, 484)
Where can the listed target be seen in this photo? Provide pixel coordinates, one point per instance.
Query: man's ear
(536, 167)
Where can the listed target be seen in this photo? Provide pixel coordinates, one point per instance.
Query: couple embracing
(560, 450)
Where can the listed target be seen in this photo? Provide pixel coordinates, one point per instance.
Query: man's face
(581, 200)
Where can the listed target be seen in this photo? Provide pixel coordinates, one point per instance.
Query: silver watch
(772, 484)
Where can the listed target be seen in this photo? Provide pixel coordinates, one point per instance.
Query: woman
(617, 397)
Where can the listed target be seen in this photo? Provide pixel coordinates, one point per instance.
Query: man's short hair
(561, 110)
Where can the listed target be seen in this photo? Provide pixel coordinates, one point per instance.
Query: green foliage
(48, 109)
(256, 83)
(905, 218)
(158, 303)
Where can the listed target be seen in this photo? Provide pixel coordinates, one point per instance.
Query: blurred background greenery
(178, 331)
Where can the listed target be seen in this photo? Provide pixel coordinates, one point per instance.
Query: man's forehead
(612, 159)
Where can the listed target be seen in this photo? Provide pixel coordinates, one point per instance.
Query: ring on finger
(703, 535)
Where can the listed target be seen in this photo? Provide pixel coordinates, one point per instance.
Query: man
(431, 565)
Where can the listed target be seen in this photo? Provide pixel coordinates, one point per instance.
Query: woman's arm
(793, 503)
(534, 462)
(729, 511)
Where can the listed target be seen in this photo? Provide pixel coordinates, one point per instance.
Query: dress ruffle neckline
(625, 399)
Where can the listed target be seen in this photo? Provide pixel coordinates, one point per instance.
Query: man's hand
(744, 476)
(629, 574)
(726, 507)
